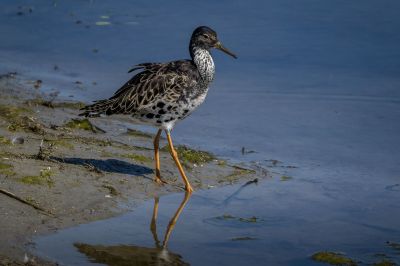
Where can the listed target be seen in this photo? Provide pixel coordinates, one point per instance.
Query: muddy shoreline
(78, 171)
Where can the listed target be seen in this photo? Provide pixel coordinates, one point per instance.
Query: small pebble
(18, 140)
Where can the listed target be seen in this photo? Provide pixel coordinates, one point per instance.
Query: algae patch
(333, 258)
(43, 178)
(191, 156)
(61, 143)
(132, 156)
(137, 158)
(12, 112)
(4, 140)
(52, 104)
(17, 119)
(83, 124)
(286, 178)
(6, 169)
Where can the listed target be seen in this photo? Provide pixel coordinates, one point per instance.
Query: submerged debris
(252, 219)
(333, 258)
(243, 238)
(394, 245)
(384, 262)
(246, 151)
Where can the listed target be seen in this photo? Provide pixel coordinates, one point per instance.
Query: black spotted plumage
(155, 86)
(163, 93)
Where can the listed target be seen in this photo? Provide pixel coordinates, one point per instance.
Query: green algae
(61, 143)
(286, 178)
(4, 140)
(222, 163)
(137, 157)
(18, 120)
(189, 155)
(27, 124)
(333, 258)
(83, 124)
(12, 112)
(5, 166)
(132, 156)
(43, 178)
(51, 104)
(6, 169)
(194, 156)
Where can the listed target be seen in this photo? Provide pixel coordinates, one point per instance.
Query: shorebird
(164, 93)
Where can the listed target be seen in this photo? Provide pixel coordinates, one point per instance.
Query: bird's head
(206, 38)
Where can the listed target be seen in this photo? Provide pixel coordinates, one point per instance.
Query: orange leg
(157, 157)
(174, 155)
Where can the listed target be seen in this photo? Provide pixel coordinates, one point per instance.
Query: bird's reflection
(123, 255)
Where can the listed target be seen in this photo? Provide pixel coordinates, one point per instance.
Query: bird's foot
(160, 181)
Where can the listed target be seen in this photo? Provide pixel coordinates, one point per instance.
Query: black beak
(219, 46)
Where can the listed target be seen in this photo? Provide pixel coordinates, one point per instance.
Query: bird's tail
(102, 107)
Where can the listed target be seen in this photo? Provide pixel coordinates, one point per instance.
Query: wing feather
(166, 82)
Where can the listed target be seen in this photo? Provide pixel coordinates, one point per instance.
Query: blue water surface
(316, 86)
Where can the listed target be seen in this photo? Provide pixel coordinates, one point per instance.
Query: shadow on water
(108, 165)
(119, 255)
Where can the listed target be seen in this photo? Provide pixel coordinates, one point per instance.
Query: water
(292, 221)
(316, 86)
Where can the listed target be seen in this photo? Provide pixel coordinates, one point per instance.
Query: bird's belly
(165, 115)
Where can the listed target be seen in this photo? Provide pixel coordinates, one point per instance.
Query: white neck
(205, 64)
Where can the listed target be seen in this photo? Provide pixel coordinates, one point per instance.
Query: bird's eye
(206, 36)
